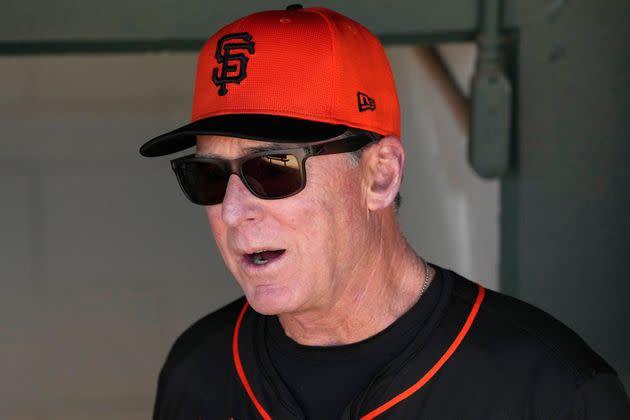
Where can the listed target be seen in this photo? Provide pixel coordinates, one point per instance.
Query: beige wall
(449, 214)
(103, 262)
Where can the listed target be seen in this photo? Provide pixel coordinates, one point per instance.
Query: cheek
(338, 195)
(327, 204)
(213, 213)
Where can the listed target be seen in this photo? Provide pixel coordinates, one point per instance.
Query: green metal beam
(136, 46)
(68, 26)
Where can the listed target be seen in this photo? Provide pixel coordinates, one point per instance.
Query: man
(298, 163)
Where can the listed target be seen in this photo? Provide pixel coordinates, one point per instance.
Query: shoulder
(198, 367)
(203, 345)
(212, 329)
(533, 365)
(528, 334)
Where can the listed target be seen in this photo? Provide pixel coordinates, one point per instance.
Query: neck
(383, 284)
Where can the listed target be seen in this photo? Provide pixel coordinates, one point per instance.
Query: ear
(383, 164)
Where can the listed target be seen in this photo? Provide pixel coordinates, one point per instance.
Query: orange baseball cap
(294, 75)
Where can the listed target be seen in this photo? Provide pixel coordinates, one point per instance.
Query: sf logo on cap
(232, 63)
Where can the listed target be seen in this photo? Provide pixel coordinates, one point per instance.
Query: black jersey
(323, 379)
(478, 355)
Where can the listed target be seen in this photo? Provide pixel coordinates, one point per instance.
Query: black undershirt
(323, 380)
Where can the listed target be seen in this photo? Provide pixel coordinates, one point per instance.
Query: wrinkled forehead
(232, 147)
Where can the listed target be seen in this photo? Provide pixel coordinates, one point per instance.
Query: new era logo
(365, 102)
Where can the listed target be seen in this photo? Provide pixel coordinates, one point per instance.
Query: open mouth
(264, 257)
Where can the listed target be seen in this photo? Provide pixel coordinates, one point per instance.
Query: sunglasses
(269, 174)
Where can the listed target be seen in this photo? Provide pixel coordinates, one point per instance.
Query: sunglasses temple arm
(348, 145)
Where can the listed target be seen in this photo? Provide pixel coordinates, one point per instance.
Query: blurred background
(515, 121)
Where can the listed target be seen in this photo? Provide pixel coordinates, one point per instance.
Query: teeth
(257, 258)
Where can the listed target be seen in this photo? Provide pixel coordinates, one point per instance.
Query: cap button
(294, 7)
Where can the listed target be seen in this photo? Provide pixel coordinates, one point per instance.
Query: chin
(271, 300)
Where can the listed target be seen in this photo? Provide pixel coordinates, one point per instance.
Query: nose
(239, 205)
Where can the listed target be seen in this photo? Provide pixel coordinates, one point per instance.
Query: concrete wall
(103, 262)
(449, 214)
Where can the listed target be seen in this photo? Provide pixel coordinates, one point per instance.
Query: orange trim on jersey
(239, 366)
(427, 377)
(389, 404)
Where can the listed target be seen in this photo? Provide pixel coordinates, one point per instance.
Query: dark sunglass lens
(273, 176)
(203, 182)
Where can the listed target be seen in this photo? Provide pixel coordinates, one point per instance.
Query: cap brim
(249, 126)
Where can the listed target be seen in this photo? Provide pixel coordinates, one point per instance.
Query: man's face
(292, 254)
